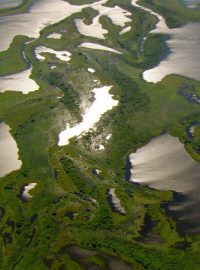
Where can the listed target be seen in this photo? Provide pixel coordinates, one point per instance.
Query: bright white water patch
(164, 164)
(161, 26)
(9, 160)
(55, 36)
(26, 189)
(103, 102)
(118, 15)
(41, 14)
(10, 3)
(108, 137)
(20, 82)
(101, 147)
(62, 55)
(96, 46)
(184, 41)
(47, 12)
(125, 30)
(91, 70)
(92, 30)
(115, 201)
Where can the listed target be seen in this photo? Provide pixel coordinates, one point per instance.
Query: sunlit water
(103, 102)
(41, 14)
(184, 45)
(164, 164)
(20, 82)
(10, 3)
(8, 151)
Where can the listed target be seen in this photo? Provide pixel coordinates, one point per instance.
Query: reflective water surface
(41, 14)
(8, 151)
(184, 44)
(164, 164)
(184, 57)
(10, 3)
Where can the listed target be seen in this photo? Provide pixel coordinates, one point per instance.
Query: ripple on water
(164, 164)
(184, 45)
(102, 103)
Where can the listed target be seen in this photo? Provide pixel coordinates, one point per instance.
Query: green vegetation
(154, 49)
(69, 224)
(12, 60)
(16, 10)
(175, 13)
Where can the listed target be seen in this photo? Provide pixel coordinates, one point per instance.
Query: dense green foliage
(69, 223)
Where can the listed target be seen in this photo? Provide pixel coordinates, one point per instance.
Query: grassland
(69, 207)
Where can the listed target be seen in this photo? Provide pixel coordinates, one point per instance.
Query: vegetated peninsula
(99, 135)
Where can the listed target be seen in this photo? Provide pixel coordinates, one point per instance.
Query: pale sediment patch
(20, 82)
(103, 102)
(9, 160)
(62, 55)
(55, 36)
(115, 201)
(96, 46)
(26, 189)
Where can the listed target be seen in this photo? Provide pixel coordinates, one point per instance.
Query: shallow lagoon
(164, 164)
(184, 45)
(8, 151)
